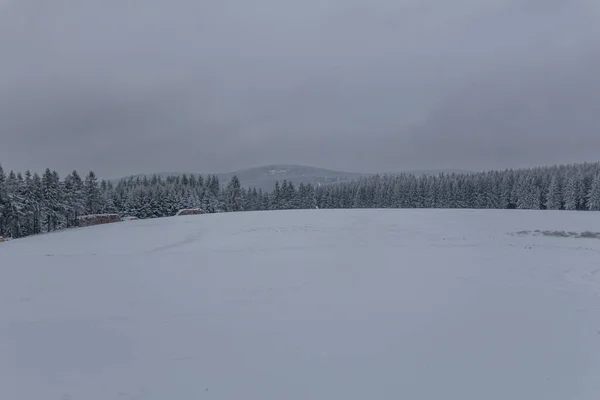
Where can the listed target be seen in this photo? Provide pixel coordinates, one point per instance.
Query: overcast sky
(124, 86)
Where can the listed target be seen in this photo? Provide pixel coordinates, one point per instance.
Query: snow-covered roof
(190, 210)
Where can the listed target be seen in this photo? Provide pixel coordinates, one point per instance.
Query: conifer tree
(93, 198)
(594, 195)
(3, 201)
(234, 200)
(554, 195)
(571, 194)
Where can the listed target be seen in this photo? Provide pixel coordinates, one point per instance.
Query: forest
(31, 203)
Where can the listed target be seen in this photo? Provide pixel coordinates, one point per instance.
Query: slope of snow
(348, 304)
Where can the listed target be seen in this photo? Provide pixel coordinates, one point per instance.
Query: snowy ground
(361, 304)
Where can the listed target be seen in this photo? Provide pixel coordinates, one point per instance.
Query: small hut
(97, 219)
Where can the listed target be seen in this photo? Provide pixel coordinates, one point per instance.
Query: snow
(317, 304)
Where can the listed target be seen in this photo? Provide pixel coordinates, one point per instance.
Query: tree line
(32, 204)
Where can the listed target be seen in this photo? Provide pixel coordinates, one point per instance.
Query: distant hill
(265, 177)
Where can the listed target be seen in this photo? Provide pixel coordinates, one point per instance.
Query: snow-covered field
(348, 304)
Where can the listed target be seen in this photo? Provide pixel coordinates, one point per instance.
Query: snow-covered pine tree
(210, 200)
(144, 198)
(255, 200)
(234, 201)
(74, 198)
(411, 198)
(263, 200)
(119, 198)
(397, 193)
(249, 199)
(193, 181)
(131, 204)
(39, 199)
(68, 192)
(93, 198)
(60, 211)
(156, 201)
(216, 198)
(49, 201)
(481, 191)
(207, 199)
(31, 206)
(292, 196)
(3, 200)
(258, 199)
(430, 197)
(506, 190)
(311, 196)
(284, 196)
(13, 205)
(108, 196)
(276, 197)
(39, 194)
(594, 194)
(570, 193)
(22, 212)
(378, 195)
(494, 198)
(529, 194)
(443, 192)
(359, 196)
(170, 201)
(554, 194)
(302, 196)
(582, 192)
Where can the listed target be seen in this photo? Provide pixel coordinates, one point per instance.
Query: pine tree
(594, 195)
(60, 221)
(554, 196)
(581, 193)
(287, 196)
(276, 197)
(506, 190)
(3, 201)
(108, 197)
(571, 195)
(38, 201)
(13, 207)
(234, 200)
(74, 198)
(210, 200)
(21, 210)
(52, 205)
(31, 206)
(529, 194)
(93, 198)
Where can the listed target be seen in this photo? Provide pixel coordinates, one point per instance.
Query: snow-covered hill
(348, 304)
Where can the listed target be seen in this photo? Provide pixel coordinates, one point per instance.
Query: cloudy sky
(128, 86)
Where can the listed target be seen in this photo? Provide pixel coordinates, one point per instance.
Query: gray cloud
(141, 86)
